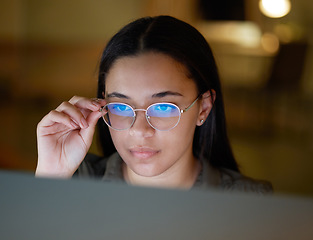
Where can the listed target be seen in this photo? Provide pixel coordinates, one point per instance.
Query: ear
(206, 104)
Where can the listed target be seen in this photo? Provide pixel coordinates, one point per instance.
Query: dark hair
(181, 41)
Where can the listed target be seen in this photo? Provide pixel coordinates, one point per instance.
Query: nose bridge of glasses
(141, 123)
(140, 109)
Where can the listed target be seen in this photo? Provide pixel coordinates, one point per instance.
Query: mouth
(143, 152)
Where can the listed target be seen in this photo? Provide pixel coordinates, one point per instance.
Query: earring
(201, 121)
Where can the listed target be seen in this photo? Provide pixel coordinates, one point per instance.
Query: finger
(93, 118)
(74, 112)
(86, 108)
(86, 112)
(93, 104)
(88, 133)
(57, 117)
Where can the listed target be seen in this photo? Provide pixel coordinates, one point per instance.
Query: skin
(156, 158)
(151, 157)
(64, 136)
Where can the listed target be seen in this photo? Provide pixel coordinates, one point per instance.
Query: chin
(146, 171)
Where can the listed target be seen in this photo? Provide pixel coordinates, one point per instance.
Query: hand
(64, 136)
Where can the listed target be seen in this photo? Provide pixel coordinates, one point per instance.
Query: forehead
(149, 73)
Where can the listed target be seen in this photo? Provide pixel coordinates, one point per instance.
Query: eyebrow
(117, 95)
(156, 95)
(165, 94)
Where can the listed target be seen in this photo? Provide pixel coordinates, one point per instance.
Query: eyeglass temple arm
(190, 106)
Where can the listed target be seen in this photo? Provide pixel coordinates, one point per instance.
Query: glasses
(160, 116)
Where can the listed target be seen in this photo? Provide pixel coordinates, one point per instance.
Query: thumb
(93, 118)
(87, 133)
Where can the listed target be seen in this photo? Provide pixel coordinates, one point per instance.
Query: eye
(121, 110)
(163, 110)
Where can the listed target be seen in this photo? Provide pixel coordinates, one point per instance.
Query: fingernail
(103, 111)
(98, 100)
(95, 103)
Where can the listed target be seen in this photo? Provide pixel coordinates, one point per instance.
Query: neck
(181, 177)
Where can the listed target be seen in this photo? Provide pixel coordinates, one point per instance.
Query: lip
(143, 152)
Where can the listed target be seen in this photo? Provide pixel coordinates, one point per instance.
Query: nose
(141, 127)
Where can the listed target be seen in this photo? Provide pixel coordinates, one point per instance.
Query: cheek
(117, 138)
(182, 135)
(188, 121)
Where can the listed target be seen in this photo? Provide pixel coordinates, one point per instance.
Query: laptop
(37, 208)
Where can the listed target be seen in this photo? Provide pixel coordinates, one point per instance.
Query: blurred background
(50, 49)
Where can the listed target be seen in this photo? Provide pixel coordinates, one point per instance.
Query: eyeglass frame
(181, 111)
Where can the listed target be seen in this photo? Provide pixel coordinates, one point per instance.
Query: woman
(163, 123)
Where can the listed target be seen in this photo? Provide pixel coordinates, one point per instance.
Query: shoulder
(93, 166)
(104, 168)
(235, 181)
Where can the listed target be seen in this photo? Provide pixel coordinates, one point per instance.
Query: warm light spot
(289, 32)
(270, 42)
(275, 8)
(246, 34)
(284, 32)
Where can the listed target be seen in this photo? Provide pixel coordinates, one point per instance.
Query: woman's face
(141, 81)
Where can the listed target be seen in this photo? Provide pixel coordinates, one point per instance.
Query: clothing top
(110, 170)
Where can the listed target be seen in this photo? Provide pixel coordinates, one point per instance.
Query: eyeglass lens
(161, 116)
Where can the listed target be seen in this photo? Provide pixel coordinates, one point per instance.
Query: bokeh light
(270, 42)
(275, 8)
